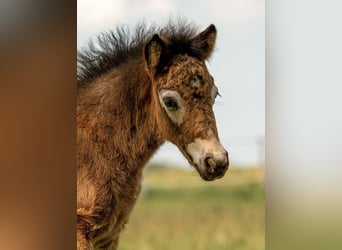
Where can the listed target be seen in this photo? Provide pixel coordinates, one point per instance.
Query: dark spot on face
(196, 82)
(197, 95)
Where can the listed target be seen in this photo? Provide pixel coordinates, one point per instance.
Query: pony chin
(206, 176)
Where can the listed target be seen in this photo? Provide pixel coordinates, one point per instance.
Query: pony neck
(117, 114)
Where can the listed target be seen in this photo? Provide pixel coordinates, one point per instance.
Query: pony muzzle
(209, 158)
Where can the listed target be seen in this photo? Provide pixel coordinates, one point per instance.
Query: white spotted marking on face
(173, 104)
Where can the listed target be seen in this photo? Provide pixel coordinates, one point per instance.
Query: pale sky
(238, 63)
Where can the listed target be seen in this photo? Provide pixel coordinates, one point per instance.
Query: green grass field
(177, 210)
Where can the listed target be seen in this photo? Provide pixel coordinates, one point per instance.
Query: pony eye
(170, 103)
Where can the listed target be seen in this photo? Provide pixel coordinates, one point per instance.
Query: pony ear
(203, 43)
(153, 52)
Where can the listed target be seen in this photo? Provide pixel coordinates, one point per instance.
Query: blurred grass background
(177, 210)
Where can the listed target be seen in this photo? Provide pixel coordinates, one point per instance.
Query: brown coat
(121, 122)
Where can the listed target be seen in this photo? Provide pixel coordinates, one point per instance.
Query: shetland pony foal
(133, 94)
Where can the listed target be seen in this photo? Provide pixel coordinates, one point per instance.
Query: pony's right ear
(153, 53)
(204, 42)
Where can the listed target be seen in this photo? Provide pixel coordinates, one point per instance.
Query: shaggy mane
(114, 48)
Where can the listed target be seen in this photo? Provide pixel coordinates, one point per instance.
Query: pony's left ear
(203, 44)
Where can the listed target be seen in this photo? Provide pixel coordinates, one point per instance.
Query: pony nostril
(210, 164)
(224, 163)
(215, 166)
(221, 166)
